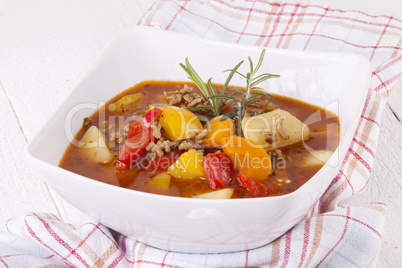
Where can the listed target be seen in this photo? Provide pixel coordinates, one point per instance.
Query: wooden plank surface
(46, 47)
(21, 190)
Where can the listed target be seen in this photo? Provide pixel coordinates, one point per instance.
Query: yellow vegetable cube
(179, 123)
(188, 166)
(161, 180)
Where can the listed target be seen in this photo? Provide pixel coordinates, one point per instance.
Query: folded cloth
(333, 233)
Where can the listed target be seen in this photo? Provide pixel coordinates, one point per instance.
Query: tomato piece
(226, 109)
(135, 144)
(162, 163)
(218, 169)
(254, 188)
(150, 117)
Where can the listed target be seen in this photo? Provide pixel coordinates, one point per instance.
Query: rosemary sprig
(209, 92)
(248, 95)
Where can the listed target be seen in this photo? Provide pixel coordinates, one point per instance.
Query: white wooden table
(46, 47)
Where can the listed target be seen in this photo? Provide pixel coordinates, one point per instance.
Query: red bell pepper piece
(219, 170)
(138, 137)
(134, 146)
(150, 117)
(254, 188)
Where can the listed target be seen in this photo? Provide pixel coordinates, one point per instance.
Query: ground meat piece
(150, 146)
(191, 144)
(154, 150)
(160, 148)
(168, 146)
(270, 106)
(186, 145)
(263, 105)
(105, 127)
(196, 101)
(252, 111)
(198, 142)
(263, 102)
(116, 134)
(193, 99)
(171, 144)
(185, 97)
(268, 136)
(156, 129)
(173, 97)
(186, 89)
(117, 137)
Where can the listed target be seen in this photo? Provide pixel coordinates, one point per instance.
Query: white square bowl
(184, 224)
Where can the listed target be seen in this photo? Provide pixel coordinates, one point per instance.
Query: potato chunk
(219, 194)
(95, 146)
(275, 129)
(316, 158)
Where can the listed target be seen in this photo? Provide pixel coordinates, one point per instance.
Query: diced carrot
(248, 157)
(217, 130)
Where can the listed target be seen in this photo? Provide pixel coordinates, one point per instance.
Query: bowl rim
(29, 150)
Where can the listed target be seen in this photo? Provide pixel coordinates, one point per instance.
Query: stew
(153, 138)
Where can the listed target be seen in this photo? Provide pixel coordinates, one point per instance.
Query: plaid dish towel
(333, 233)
